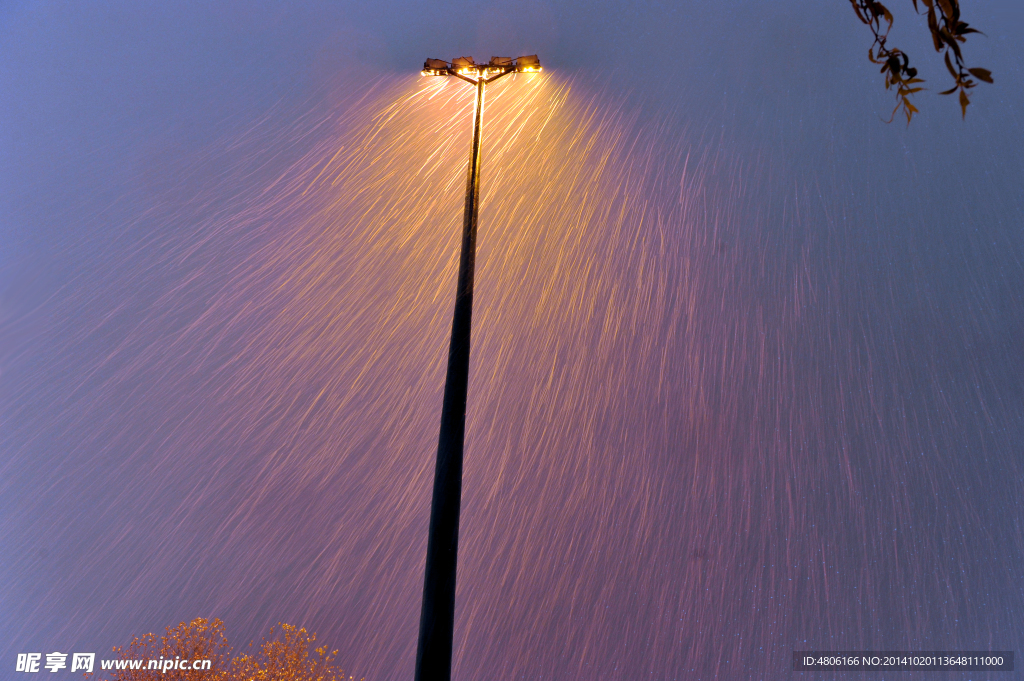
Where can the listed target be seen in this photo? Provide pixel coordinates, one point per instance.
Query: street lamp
(434, 650)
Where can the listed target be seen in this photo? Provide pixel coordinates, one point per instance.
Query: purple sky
(746, 371)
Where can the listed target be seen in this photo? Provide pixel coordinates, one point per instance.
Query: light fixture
(437, 616)
(469, 70)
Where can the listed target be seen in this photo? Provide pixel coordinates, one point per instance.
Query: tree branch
(947, 30)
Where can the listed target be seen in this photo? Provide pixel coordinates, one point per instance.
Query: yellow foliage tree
(289, 658)
(288, 655)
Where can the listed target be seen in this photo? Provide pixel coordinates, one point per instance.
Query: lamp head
(467, 68)
(528, 64)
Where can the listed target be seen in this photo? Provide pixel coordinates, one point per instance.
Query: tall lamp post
(434, 650)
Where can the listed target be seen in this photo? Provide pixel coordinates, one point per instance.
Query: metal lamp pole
(437, 617)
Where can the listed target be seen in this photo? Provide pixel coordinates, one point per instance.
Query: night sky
(747, 372)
